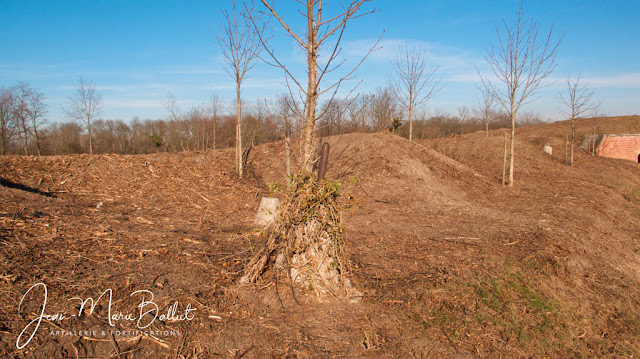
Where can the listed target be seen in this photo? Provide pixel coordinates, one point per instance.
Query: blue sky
(136, 52)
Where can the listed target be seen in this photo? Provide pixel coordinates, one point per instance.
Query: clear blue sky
(136, 52)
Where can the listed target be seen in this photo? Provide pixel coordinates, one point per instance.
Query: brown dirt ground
(450, 263)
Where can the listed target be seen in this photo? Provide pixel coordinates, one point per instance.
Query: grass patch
(509, 311)
(515, 304)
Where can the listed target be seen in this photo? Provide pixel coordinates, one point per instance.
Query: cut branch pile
(305, 244)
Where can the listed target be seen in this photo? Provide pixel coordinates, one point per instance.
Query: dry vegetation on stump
(305, 245)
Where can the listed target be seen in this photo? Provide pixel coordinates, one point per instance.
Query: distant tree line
(22, 111)
(24, 128)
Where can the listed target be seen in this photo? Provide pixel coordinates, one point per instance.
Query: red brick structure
(626, 147)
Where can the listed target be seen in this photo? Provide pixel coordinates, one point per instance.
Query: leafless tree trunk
(240, 46)
(193, 122)
(22, 93)
(520, 61)
(412, 82)
(464, 114)
(216, 103)
(239, 132)
(37, 109)
(85, 105)
(332, 123)
(7, 119)
(485, 110)
(358, 111)
(566, 149)
(384, 109)
(577, 101)
(204, 138)
(318, 34)
(595, 114)
(171, 104)
(504, 162)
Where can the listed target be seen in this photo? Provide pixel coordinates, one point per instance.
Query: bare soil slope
(450, 263)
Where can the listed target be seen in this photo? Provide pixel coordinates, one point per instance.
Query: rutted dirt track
(450, 263)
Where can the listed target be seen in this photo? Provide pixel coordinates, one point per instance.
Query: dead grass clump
(305, 244)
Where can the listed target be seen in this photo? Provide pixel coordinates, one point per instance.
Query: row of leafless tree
(213, 125)
(22, 111)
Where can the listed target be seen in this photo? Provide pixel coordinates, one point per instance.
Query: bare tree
(485, 110)
(384, 109)
(413, 82)
(28, 109)
(240, 49)
(171, 104)
(332, 122)
(284, 112)
(256, 120)
(358, 111)
(216, 106)
(7, 119)
(194, 119)
(85, 105)
(520, 61)
(319, 33)
(22, 92)
(37, 110)
(464, 114)
(577, 101)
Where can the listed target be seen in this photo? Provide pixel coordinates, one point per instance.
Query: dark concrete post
(324, 159)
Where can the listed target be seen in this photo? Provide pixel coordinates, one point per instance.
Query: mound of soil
(450, 263)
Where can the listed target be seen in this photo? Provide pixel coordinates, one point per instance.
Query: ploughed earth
(450, 263)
